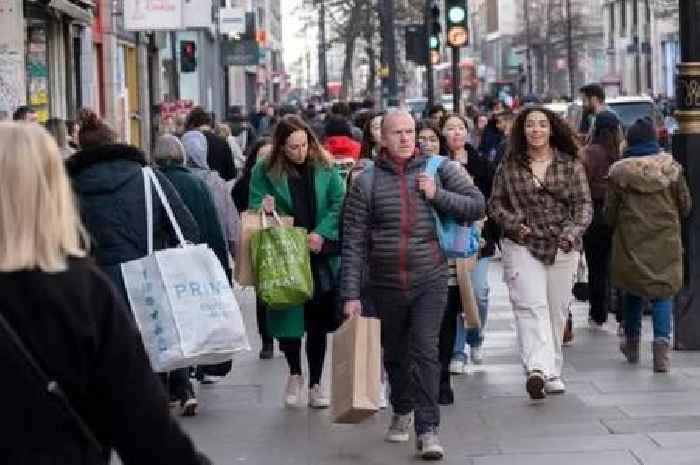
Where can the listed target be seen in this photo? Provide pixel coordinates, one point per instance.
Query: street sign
(242, 52)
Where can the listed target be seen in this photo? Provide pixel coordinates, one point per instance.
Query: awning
(83, 15)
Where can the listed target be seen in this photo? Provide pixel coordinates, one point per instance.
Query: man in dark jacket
(388, 223)
(219, 155)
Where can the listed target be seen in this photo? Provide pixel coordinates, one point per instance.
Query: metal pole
(570, 50)
(456, 81)
(322, 66)
(528, 41)
(686, 146)
(391, 84)
(429, 62)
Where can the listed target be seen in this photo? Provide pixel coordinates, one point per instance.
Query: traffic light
(457, 21)
(188, 56)
(434, 38)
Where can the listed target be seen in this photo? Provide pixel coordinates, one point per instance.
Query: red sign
(168, 109)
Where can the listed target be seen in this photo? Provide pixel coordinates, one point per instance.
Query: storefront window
(37, 69)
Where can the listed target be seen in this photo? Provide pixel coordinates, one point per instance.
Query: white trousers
(540, 295)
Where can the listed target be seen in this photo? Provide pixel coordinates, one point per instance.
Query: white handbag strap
(263, 218)
(149, 211)
(148, 173)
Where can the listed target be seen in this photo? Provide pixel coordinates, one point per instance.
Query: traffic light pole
(390, 84)
(429, 59)
(686, 146)
(456, 81)
(322, 66)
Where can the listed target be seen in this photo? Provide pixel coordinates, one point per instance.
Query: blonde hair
(39, 223)
(223, 130)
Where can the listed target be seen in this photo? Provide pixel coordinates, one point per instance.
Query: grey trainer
(428, 446)
(400, 428)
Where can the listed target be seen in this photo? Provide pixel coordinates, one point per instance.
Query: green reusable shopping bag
(282, 264)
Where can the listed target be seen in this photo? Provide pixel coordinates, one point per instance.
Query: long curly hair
(279, 165)
(562, 136)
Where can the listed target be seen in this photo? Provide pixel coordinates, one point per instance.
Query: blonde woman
(223, 130)
(68, 316)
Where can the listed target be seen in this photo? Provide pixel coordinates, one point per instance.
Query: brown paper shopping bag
(356, 370)
(466, 292)
(251, 222)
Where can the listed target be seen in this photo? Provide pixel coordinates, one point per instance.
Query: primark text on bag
(181, 299)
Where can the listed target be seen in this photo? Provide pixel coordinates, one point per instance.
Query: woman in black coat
(73, 325)
(108, 181)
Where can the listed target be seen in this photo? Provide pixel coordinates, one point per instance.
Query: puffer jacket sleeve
(356, 228)
(457, 195)
(184, 217)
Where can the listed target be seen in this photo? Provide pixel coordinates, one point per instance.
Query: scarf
(640, 150)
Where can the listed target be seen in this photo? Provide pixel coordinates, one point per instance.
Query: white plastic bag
(182, 301)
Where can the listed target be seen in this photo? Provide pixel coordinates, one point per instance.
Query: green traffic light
(434, 42)
(456, 14)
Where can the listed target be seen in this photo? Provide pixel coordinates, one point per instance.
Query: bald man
(388, 223)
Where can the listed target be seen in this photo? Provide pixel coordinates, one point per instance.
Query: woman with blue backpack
(454, 132)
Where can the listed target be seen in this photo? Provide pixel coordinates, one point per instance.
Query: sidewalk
(612, 414)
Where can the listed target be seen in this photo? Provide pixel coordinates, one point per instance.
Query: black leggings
(262, 323)
(318, 316)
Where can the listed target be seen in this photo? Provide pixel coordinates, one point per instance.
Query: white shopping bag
(182, 301)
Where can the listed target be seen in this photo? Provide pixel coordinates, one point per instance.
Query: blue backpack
(457, 240)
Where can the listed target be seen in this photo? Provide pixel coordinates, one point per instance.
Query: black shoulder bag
(52, 388)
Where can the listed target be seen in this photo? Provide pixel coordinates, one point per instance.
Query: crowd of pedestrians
(542, 194)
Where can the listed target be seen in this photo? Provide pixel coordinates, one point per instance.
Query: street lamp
(686, 146)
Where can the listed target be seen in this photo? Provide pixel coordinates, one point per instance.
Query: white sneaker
(400, 428)
(428, 447)
(292, 394)
(382, 396)
(554, 386)
(457, 367)
(477, 355)
(317, 399)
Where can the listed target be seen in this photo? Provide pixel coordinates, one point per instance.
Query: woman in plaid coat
(542, 201)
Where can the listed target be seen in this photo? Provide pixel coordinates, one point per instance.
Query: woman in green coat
(299, 179)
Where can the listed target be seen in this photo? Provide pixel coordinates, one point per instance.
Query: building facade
(44, 53)
(642, 38)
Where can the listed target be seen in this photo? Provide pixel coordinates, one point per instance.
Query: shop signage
(242, 52)
(149, 15)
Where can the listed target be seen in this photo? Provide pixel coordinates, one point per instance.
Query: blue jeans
(661, 317)
(474, 336)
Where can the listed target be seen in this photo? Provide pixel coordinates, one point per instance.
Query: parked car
(628, 110)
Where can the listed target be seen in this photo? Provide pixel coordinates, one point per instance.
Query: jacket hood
(645, 175)
(195, 144)
(106, 168)
(343, 145)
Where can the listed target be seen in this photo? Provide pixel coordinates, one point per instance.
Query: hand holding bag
(282, 264)
(181, 299)
(251, 222)
(356, 370)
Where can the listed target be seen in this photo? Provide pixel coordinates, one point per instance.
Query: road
(612, 414)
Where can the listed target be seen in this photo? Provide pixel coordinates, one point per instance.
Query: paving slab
(612, 414)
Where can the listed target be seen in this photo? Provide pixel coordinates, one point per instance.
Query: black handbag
(53, 389)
